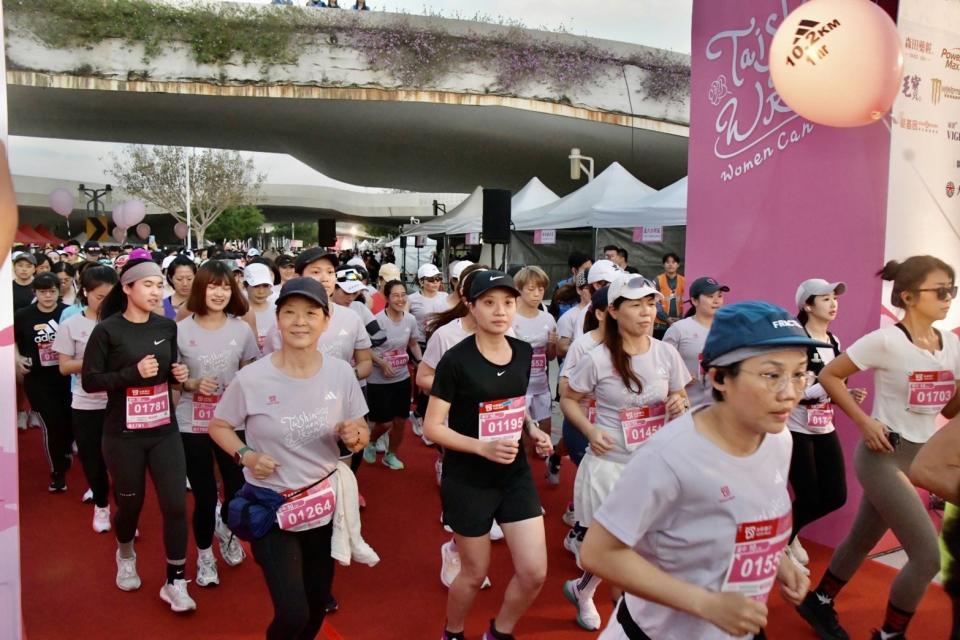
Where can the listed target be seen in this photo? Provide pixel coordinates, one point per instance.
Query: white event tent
(667, 207)
(615, 186)
(533, 194)
(470, 208)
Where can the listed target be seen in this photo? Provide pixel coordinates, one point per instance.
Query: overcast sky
(657, 23)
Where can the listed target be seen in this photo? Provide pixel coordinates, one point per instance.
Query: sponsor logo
(911, 87)
(758, 531)
(777, 324)
(951, 189)
(156, 342)
(918, 45)
(272, 400)
(725, 491)
(940, 91)
(951, 58)
(330, 396)
(809, 41)
(919, 126)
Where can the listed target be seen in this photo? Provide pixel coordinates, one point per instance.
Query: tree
(237, 223)
(219, 179)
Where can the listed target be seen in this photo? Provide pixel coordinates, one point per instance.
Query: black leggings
(200, 451)
(52, 402)
(299, 573)
(128, 459)
(88, 432)
(818, 477)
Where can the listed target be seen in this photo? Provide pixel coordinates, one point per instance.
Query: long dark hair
(445, 317)
(116, 300)
(216, 272)
(94, 277)
(909, 275)
(613, 341)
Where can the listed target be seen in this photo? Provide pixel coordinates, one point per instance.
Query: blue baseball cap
(746, 329)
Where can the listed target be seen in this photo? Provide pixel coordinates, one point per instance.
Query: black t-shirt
(110, 361)
(34, 331)
(22, 296)
(465, 379)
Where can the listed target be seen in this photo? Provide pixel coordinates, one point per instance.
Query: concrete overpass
(356, 115)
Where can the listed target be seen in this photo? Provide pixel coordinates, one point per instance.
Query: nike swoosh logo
(495, 278)
(500, 373)
(156, 342)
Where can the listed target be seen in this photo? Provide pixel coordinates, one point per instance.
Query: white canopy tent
(667, 207)
(614, 187)
(415, 256)
(534, 194)
(469, 209)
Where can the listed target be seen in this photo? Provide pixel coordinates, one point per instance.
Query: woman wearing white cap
(423, 304)
(695, 528)
(638, 385)
(262, 315)
(456, 273)
(817, 470)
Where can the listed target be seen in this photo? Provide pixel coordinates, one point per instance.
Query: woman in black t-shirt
(480, 387)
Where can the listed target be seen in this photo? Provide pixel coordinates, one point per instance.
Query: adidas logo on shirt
(343, 332)
(233, 343)
(330, 396)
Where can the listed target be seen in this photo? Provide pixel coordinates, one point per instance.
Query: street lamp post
(580, 163)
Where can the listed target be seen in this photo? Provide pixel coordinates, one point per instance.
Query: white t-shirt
(266, 321)
(814, 419)
(570, 324)
(343, 335)
(660, 369)
(894, 360)
(535, 331)
(211, 354)
(423, 307)
(580, 346)
(442, 339)
(293, 420)
(71, 341)
(395, 348)
(689, 336)
(688, 507)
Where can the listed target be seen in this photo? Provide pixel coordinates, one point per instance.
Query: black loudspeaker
(496, 216)
(403, 242)
(440, 244)
(326, 233)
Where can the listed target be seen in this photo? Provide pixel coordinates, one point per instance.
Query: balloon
(180, 230)
(837, 62)
(61, 201)
(134, 212)
(118, 217)
(119, 234)
(143, 231)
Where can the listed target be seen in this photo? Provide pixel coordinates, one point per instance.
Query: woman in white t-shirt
(916, 367)
(424, 304)
(297, 405)
(638, 383)
(262, 314)
(695, 528)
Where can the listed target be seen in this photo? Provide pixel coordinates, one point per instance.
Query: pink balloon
(180, 230)
(143, 231)
(61, 201)
(118, 216)
(119, 234)
(134, 212)
(837, 62)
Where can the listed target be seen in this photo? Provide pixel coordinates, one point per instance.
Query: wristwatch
(238, 456)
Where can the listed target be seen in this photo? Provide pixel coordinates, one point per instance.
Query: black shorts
(470, 509)
(388, 401)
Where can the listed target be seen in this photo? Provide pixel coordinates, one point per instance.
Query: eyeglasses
(777, 382)
(943, 292)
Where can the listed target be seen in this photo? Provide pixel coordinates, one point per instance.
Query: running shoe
(369, 454)
(587, 615)
(450, 567)
(438, 467)
(101, 519)
(34, 420)
(488, 634)
(87, 496)
(332, 605)
(569, 515)
(383, 443)
(417, 423)
(127, 578)
(427, 441)
(799, 553)
(231, 550)
(817, 609)
(58, 482)
(793, 559)
(177, 597)
(189, 487)
(572, 542)
(553, 469)
(496, 533)
(207, 569)
(392, 461)
(880, 635)
(22, 420)
(361, 501)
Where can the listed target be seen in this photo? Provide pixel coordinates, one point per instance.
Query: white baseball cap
(458, 268)
(388, 272)
(356, 261)
(427, 271)
(631, 287)
(166, 262)
(257, 274)
(817, 287)
(253, 252)
(603, 271)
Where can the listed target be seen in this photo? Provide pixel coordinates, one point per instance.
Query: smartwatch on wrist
(238, 456)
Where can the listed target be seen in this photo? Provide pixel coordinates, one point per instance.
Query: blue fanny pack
(252, 512)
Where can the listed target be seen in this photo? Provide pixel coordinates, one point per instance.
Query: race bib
(148, 407)
(589, 406)
(310, 510)
(397, 359)
(502, 419)
(48, 357)
(756, 556)
(538, 366)
(639, 423)
(203, 407)
(930, 391)
(819, 417)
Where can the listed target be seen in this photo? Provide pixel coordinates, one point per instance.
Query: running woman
(696, 526)
(916, 368)
(214, 343)
(638, 385)
(430, 300)
(132, 355)
(35, 327)
(180, 273)
(88, 409)
(817, 469)
(480, 386)
(261, 315)
(297, 405)
(690, 334)
(389, 388)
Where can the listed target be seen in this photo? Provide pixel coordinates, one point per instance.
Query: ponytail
(438, 320)
(909, 275)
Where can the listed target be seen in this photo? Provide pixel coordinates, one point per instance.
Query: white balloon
(61, 201)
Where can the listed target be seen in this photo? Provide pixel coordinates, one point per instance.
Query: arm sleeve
(447, 378)
(629, 516)
(96, 374)
(583, 378)
(870, 351)
(63, 342)
(232, 407)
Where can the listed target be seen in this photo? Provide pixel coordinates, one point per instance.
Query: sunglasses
(943, 293)
(346, 276)
(434, 279)
(639, 282)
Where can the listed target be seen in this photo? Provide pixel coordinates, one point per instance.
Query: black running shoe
(877, 635)
(58, 483)
(817, 609)
(332, 605)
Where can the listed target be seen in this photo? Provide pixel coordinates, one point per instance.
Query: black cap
(305, 287)
(285, 260)
(91, 245)
(24, 255)
(312, 255)
(486, 280)
(706, 286)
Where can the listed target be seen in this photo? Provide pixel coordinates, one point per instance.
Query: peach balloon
(837, 62)
(180, 230)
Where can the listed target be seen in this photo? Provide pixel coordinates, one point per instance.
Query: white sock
(588, 584)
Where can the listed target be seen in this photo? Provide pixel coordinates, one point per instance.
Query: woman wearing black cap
(480, 386)
(292, 436)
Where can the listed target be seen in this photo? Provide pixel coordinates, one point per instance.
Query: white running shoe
(34, 421)
(553, 471)
(22, 420)
(450, 568)
(101, 519)
(383, 443)
(569, 516)
(572, 544)
(177, 597)
(417, 423)
(127, 578)
(799, 553)
(231, 550)
(189, 488)
(587, 615)
(87, 496)
(496, 533)
(207, 568)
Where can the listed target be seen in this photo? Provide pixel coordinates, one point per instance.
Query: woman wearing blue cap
(696, 527)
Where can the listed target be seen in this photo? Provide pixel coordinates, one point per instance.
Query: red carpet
(68, 570)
